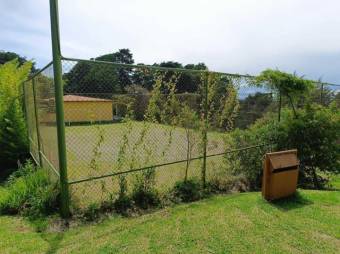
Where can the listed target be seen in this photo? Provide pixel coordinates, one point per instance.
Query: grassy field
(146, 144)
(238, 223)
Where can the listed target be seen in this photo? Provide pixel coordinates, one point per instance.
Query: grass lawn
(147, 144)
(238, 223)
(335, 182)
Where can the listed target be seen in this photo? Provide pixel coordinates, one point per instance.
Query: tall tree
(123, 56)
(187, 81)
(100, 78)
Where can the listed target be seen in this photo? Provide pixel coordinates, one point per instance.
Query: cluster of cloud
(242, 36)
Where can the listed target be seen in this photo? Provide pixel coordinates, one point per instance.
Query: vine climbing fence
(124, 123)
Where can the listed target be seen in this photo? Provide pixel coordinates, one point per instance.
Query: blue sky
(241, 36)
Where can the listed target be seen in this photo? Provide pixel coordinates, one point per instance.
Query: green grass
(164, 143)
(335, 182)
(238, 223)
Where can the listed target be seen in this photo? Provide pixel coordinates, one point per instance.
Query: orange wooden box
(280, 174)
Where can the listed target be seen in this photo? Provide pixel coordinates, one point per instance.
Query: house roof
(77, 98)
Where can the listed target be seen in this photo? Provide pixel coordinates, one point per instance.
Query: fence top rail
(236, 75)
(39, 71)
(140, 66)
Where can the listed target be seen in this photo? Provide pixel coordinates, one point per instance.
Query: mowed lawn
(238, 223)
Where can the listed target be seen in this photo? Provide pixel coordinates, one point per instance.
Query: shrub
(13, 135)
(122, 204)
(249, 162)
(29, 192)
(188, 191)
(144, 193)
(315, 133)
(228, 183)
(92, 212)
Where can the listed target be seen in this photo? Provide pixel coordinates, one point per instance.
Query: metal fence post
(280, 105)
(57, 69)
(321, 95)
(37, 121)
(205, 129)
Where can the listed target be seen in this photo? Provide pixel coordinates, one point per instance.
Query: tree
(13, 134)
(286, 84)
(222, 101)
(123, 56)
(97, 78)
(187, 81)
(337, 99)
(6, 56)
(189, 120)
(253, 107)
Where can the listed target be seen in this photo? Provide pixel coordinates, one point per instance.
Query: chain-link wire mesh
(125, 120)
(31, 120)
(127, 124)
(41, 119)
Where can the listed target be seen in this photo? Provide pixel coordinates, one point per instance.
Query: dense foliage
(6, 56)
(315, 133)
(13, 134)
(94, 78)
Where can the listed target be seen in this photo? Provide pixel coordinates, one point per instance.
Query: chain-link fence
(130, 123)
(41, 119)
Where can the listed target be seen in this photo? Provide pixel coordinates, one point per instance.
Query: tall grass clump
(29, 192)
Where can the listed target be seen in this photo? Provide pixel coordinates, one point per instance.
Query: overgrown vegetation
(315, 133)
(188, 190)
(13, 133)
(29, 192)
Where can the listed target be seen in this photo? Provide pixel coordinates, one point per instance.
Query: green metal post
(321, 95)
(205, 129)
(57, 68)
(280, 105)
(37, 121)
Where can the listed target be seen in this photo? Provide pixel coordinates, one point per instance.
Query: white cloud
(243, 36)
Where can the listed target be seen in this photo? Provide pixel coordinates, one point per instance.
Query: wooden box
(280, 174)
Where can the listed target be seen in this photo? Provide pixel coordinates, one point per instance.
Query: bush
(144, 193)
(122, 204)
(249, 162)
(315, 133)
(13, 134)
(145, 199)
(29, 192)
(92, 212)
(228, 183)
(188, 191)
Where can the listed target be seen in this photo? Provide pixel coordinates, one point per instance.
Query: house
(86, 109)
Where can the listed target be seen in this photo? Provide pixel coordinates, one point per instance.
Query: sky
(234, 36)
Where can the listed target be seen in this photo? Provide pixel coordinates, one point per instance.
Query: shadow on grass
(293, 202)
(51, 231)
(54, 242)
